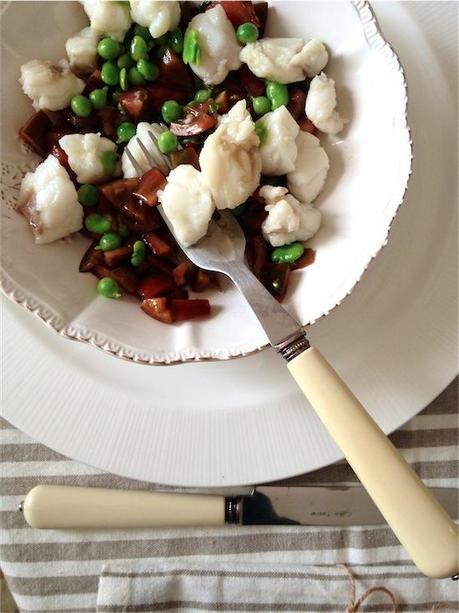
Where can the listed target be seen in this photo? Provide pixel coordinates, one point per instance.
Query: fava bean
(288, 253)
(277, 93)
(100, 224)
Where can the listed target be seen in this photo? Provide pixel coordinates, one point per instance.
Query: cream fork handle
(420, 523)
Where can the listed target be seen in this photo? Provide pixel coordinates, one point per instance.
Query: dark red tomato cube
(306, 259)
(63, 159)
(223, 102)
(110, 118)
(119, 256)
(150, 184)
(252, 84)
(306, 125)
(158, 308)
(156, 285)
(34, 132)
(296, 102)
(261, 11)
(173, 72)
(136, 103)
(195, 122)
(188, 155)
(158, 93)
(117, 192)
(94, 82)
(182, 273)
(183, 310)
(157, 245)
(91, 258)
(239, 12)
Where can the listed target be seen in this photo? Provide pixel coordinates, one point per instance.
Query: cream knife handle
(57, 507)
(420, 523)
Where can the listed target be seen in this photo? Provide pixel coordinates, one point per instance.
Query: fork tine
(137, 167)
(150, 159)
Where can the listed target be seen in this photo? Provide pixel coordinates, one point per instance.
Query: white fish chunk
(84, 152)
(50, 86)
(230, 159)
(320, 105)
(158, 16)
(108, 17)
(49, 201)
(279, 150)
(308, 177)
(187, 203)
(162, 161)
(218, 44)
(288, 220)
(312, 58)
(82, 51)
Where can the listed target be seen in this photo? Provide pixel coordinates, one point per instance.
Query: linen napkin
(222, 569)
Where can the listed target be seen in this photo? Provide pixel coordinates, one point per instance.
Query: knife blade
(55, 507)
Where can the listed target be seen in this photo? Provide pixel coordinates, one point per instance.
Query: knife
(63, 507)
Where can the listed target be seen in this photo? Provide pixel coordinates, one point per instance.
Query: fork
(417, 519)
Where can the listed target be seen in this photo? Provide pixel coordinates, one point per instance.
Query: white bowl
(370, 163)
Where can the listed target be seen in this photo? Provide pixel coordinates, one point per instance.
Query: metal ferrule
(293, 346)
(233, 510)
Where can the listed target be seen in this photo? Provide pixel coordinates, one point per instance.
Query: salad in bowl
(232, 118)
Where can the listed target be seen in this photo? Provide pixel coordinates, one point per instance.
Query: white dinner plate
(213, 424)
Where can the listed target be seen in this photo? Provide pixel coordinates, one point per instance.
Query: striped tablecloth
(228, 569)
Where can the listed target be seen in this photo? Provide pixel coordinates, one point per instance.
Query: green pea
(277, 93)
(139, 48)
(135, 77)
(138, 253)
(191, 48)
(125, 131)
(239, 209)
(81, 106)
(261, 105)
(100, 224)
(149, 71)
(202, 95)
(143, 32)
(288, 253)
(247, 33)
(124, 81)
(167, 142)
(176, 39)
(109, 241)
(110, 73)
(125, 61)
(171, 111)
(109, 49)
(261, 131)
(123, 230)
(109, 160)
(98, 98)
(109, 288)
(88, 195)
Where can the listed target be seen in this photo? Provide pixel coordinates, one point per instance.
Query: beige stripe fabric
(226, 569)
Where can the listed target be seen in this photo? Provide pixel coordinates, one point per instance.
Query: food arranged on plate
(231, 118)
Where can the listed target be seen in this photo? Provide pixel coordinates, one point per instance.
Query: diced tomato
(306, 125)
(223, 103)
(136, 103)
(188, 155)
(195, 122)
(94, 82)
(119, 256)
(53, 137)
(239, 12)
(158, 94)
(153, 221)
(306, 259)
(253, 216)
(117, 192)
(157, 245)
(179, 293)
(149, 185)
(34, 132)
(63, 159)
(182, 273)
(91, 258)
(174, 73)
(67, 120)
(296, 102)
(155, 285)
(158, 309)
(123, 275)
(261, 11)
(109, 121)
(182, 310)
(258, 254)
(252, 84)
